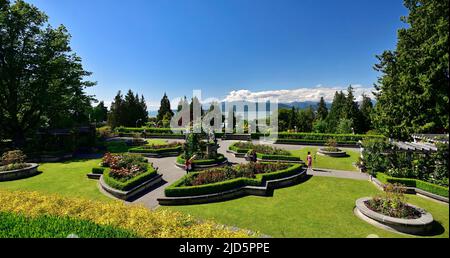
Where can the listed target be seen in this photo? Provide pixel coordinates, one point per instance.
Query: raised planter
(412, 190)
(418, 226)
(197, 167)
(19, 173)
(136, 191)
(334, 154)
(266, 190)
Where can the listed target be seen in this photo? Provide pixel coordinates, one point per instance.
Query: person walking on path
(309, 160)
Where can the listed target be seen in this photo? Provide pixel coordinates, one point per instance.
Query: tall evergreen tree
(337, 111)
(352, 112)
(366, 109)
(412, 93)
(115, 117)
(322, 110)
(164, 110)
(293, 122)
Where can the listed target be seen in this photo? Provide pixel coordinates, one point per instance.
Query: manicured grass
(319, 161)
(156, 142)
(14, 225)
(67, 178)
(320, 207)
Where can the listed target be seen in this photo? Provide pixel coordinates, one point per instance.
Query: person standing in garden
(309, 160)
(188, 164)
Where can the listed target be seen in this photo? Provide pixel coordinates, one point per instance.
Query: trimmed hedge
(409, 182)
(156, 151)
(280, 141)
(264, 156)
(312, 137)
(14, 225)
(130, 184)
(178, 190)
(98, 170)
(220, 158)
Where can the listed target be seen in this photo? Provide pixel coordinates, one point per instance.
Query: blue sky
(228, 48)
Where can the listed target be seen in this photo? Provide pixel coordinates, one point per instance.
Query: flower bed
(223, 179)
(392, 212)
(264, 152)
(126, 172)
(174, 148)
(134, 218)
(13, 166)
(220, 159)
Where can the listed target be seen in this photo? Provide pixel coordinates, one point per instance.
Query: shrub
(260, 148)
(409, 182)
(134, 218)
(117, 147)
(278, 157)
(13, 157)
(14, 225)
(219, 159)
(98, 171)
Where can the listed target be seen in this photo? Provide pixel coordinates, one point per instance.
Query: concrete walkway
(171, 173)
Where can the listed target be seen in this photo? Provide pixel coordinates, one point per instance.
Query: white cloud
(297, 95)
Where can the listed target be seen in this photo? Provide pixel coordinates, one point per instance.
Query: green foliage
(409, 182)
(42, 80)
(259, 148)
(128, 111)
(165, 112)
(98, 170)
(131, 183)
(117, 147)
(178, 189)
(413, 89)
(99, 113)
(374, 154)
(322, 110)
(219, 159)
(14, 225)
(345, 126)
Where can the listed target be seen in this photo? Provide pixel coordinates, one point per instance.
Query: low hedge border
(177, 190)
(156, 151)
(204, 162)
(130, 184)
(408, 182)
(320, 136)
(263, 157)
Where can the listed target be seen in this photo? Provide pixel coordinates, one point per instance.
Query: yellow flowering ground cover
(138, 219)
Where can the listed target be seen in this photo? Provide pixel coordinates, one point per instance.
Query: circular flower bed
(332, 152)
(392, 212)
(14, 167)
(203, 163)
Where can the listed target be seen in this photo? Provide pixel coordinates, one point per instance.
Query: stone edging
(126, 195)
(19, 173)
(334, 154)
(266, 190)
(412, 190)
(408, 226)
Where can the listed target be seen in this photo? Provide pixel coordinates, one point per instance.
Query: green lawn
(319, 161)
(67, 178)
(156, 142)
(320, 207)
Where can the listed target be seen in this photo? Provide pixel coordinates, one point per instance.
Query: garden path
(171, 173)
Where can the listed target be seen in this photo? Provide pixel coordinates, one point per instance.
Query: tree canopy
(128, 111)
(41, 79)
(412, 92)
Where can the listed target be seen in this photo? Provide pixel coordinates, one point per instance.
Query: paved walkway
(171, 173)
